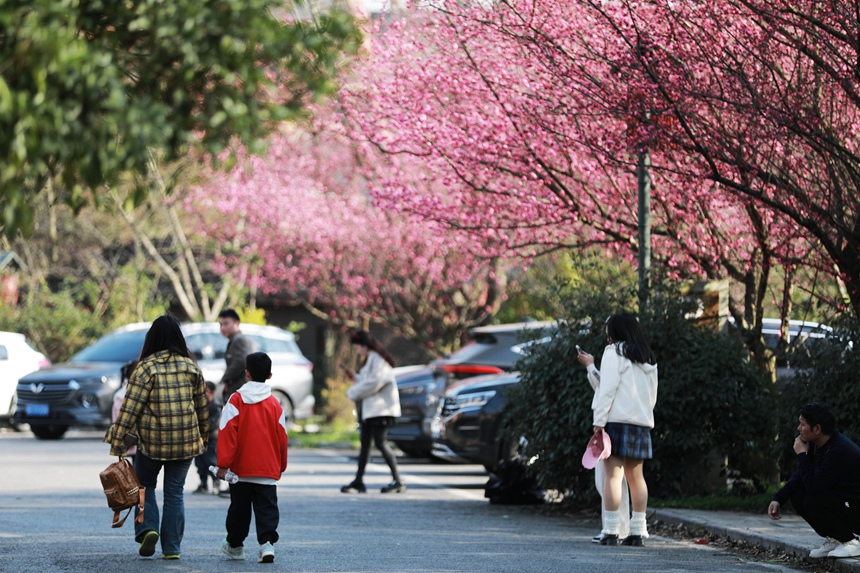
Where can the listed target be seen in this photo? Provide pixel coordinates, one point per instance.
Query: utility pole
(643, 176)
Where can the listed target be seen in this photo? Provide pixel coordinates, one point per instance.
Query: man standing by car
(825, 489)
(239, 347)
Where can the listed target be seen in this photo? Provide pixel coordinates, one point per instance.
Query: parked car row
(454, 407)
(80, 392)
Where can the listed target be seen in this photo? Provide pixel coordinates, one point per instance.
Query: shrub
(54, 323)
(823, 372)
(711, 405)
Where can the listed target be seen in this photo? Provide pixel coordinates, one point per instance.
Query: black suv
(470, 427)
(490, 350)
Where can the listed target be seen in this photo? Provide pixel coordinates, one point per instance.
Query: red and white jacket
(252, 440)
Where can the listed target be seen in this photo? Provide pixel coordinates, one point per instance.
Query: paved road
(53, 518)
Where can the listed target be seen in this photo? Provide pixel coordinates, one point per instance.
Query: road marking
(383, 468)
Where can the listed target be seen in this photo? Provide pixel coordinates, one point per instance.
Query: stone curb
(850, 565)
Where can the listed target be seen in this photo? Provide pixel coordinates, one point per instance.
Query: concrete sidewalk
(790, 534)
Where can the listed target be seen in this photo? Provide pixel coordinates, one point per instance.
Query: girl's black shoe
(609, 539)
(394, 487)
(634, 540)
(354, 487)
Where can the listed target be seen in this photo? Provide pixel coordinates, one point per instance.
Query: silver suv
(80, 392)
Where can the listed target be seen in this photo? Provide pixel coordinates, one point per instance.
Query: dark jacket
(833, 468)
(214, 419)
(239, 347)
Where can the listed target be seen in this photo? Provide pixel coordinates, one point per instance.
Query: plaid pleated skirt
(629, 441)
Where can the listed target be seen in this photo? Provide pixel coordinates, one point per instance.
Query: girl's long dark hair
(165, 334)
(624, 329)
(364, 338)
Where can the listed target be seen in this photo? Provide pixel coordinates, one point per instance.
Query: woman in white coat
(623, 407)
(374, 390)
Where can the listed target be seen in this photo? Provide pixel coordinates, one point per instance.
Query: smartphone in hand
(578, 349)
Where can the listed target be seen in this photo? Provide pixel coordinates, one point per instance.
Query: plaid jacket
(165, 405)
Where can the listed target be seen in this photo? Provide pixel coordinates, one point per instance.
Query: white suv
(292, 379)
(17, 358)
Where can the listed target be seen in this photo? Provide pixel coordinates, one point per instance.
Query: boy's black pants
(264, 500)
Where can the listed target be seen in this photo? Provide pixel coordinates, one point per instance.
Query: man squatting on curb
(825, 489)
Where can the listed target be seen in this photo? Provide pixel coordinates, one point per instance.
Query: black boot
(394, 487)
(633, 540)
(609, 539)
(354, 487)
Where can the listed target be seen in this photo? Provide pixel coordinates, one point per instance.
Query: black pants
(379, 434)
(206, 459)
(829, 515)
(264, 500)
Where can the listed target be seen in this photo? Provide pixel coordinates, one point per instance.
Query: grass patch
(314, 433)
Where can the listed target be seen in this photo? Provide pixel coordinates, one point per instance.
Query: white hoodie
(627, 391)
(376, 388)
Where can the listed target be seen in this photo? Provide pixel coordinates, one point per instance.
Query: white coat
(376, 388)
(627, 392)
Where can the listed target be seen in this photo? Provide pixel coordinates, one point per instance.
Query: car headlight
(112, 380)
(474, 400)
(412, 390)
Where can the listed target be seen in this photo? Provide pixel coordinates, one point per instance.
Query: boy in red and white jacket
(252, 443)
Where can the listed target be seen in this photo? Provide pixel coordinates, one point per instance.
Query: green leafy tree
(90, 89)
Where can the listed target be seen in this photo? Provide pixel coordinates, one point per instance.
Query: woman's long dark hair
(165, 334)
(624, 329)
(364, 338)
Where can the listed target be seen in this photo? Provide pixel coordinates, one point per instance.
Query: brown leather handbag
(123, 490)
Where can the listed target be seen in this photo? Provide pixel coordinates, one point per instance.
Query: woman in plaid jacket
(165, 405)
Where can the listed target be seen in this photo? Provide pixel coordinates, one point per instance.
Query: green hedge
(55, 323)
(712, 406)
(823, 372)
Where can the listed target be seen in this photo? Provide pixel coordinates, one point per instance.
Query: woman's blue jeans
(172, 524)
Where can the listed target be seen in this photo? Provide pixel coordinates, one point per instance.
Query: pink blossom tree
(530, 115)
(308, 231)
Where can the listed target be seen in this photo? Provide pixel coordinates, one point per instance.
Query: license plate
(36, 410)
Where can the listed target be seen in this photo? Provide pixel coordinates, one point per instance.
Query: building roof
(11, 259)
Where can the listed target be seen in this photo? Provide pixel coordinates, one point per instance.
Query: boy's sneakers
(267, 553)
(147, 544)
(829, 545)
(233, 552)
(847, 549)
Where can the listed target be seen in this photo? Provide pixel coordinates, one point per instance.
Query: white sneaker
(829, 545)
(847, 549)
(232, 552)
(267, 553)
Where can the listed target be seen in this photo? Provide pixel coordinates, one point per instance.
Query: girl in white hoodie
(623, 408)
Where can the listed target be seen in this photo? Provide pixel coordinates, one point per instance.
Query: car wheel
(50, 432)
(287, 405)
(509, 450)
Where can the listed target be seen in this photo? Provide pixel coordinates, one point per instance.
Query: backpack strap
(138, 520)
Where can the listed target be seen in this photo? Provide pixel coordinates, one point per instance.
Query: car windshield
(115, 347)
